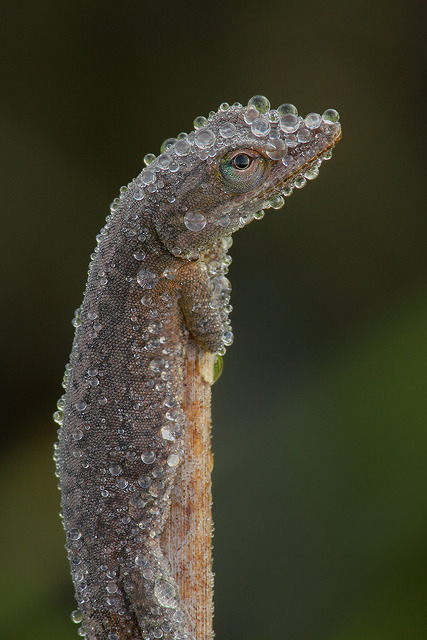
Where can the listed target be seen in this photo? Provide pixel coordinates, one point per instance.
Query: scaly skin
(158, 274)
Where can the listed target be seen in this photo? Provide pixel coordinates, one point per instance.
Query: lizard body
(156, 277)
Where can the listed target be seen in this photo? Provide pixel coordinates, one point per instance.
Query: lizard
(158, 276)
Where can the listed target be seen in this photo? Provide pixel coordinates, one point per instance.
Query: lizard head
(241, 160)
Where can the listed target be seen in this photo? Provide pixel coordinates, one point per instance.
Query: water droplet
(145, 481)
(228, 338)
(77, 434)
(304, 135)
(92, 315)
(76, 616)
(139, 255)
(121, 483)
(147, 279)
(166, 593)
(261, 103)
(260, 127)
(156, 489)
(148, 458)
(199, 122)
(147, 177)
(205, 138)
(312, 172)
(224, 221)
(289, 123)
(276, 202)
(58, 417)
(276, 149)
(258, 215)
(313, 121)
(148, 574)
(115, 469)
(291, 141)
(170, 273)
(80, 405)
(112, 587)
(173, 460)
(167, 144)
(140, 561)
(218, 366)
(164, 161)
(300, 182)
(75, 534)
(149, 158)
(274, 118)
(113, 635)
(76, 321)
(330, 116)
(250, 115)
(154, 327)
(114, 205)
(182, 148)
(227, 130)
(286, 109)
(166, 434)
(194, 221)
(157, 364)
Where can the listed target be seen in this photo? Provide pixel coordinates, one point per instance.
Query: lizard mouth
(306, 171)
(298, 169)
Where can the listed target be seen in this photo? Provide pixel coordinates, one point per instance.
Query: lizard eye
(242, 170)
(242, 161)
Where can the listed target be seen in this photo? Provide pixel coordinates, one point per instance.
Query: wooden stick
(187, 537)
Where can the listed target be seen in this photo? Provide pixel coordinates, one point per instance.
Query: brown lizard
(158, 275)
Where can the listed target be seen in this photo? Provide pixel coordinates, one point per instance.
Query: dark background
(320, 416)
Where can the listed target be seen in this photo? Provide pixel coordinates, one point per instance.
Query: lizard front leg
(203, 305)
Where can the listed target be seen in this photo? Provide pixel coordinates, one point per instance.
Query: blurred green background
(320, 433)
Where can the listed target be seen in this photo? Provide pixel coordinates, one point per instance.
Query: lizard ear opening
(242, 170)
